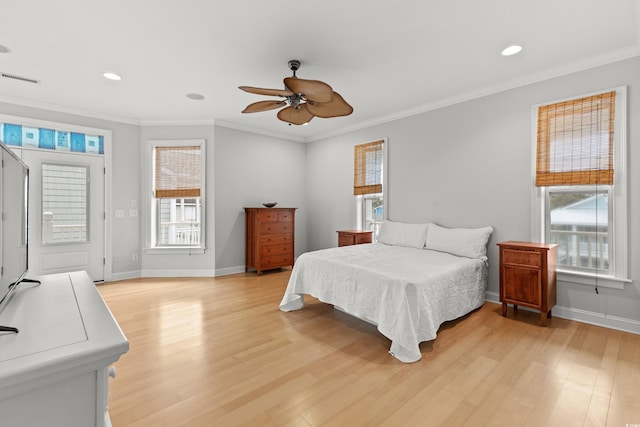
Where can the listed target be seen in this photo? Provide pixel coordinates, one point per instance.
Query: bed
(416, 277)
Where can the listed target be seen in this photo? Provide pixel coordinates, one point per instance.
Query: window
(65, 208)
(580, 151)
(368, 185)
(177, 204)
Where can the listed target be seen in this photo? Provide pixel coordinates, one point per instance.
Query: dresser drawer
(276, 239)
(285, 216)
(522, 258)
(276, 228)
(268, 250)
(275, 261)
(268, 215)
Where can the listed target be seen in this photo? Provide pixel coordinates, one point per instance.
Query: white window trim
(619, 192)
(150, 217)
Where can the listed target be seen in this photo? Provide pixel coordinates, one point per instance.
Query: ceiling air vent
(24, 79)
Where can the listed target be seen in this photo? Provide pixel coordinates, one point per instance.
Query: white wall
(470, 165)
(251, 169)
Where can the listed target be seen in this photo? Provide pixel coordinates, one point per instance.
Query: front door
(66, 213)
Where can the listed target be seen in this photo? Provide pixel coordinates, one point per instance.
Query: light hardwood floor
(218, 352)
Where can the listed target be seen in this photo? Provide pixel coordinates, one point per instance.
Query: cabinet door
(522, 285)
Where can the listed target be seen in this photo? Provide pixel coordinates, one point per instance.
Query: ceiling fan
(304, 99)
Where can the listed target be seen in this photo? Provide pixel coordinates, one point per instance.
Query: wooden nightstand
(354, 237)
(528, 276)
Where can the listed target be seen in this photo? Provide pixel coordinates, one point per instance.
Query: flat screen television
(14, 206)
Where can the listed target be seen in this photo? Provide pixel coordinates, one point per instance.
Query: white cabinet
(55, 371)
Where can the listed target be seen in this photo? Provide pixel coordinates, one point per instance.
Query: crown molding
(609, 58)
(68, 110)
(152, 123)
(612, 57)
(236, 126)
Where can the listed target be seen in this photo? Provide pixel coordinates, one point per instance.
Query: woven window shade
(575, 142)
(367, 168)
(177, 172)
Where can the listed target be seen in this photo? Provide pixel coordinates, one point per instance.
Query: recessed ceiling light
(112, 76)
(195, 96)
(511, 50)
(4, 49)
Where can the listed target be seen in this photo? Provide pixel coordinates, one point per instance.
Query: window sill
(591, 280)
(175, 250)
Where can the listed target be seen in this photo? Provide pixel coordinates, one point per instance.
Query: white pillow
(402, 234)
(466, 242)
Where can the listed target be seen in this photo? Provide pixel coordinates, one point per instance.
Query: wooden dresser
(269, 237)
(528, 276)
(354, 237)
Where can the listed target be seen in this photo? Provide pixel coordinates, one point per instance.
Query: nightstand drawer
(346, 240)
(354, 237)
(522, 258)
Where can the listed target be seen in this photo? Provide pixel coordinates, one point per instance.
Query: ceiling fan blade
(312, 90)
(337, 107)
(256, 107)
(295, 116)
(268, 92)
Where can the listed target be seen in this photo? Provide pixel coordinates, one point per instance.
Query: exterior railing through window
(180, 233)
(587, 249)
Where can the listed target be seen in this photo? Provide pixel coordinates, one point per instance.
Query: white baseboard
(229, 270)
(125, 275)
(177, 273)
(583, 316)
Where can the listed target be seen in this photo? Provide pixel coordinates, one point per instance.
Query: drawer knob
(112, 371)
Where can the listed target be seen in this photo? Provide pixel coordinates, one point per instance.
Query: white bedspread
(408, 293)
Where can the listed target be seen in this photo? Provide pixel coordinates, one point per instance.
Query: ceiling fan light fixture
(306, 99)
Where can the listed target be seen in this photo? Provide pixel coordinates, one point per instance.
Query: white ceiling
(388, 59)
